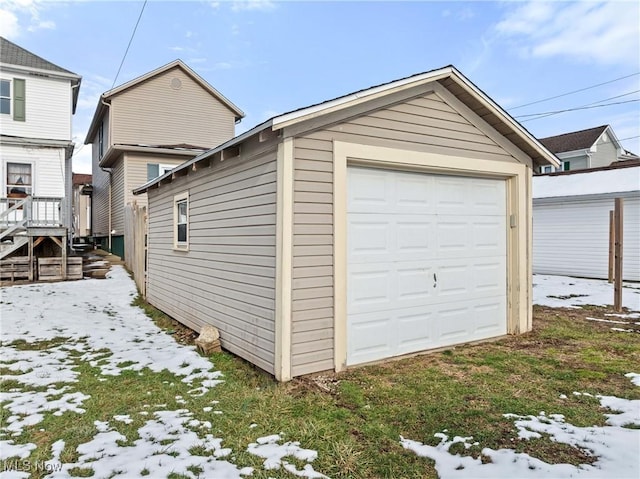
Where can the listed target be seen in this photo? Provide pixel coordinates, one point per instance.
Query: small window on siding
(181, 221)
(5, 97)
(155, 169)
(566, 165)
(19, 180)
(546, 169)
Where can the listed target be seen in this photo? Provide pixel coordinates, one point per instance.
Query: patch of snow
(606, 320)
(207, 409)
(620, 330)
(125, 418)
(163, 445)
(635, 378)
(267, 447)
(567, 292)
(10, 449)
(615, 447)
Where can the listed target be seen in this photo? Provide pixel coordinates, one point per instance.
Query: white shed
(571, 221)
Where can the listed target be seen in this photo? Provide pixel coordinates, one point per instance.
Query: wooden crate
(16, 268)
(50, 269)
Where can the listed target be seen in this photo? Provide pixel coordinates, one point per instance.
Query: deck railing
(32, 211)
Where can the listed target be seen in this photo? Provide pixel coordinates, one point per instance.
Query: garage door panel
(416, 330)
(371, 336)
(415, 237)
(453, 238)
(370, 191)
(371, 289)
(370, 238)
(414, 283)
(414, 194)
(488, 236)
(489, 319)
(436, 275)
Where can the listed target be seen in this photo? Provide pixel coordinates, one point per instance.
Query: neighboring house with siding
(590, 148)
(81, 201)
(390, 221)
(37, 102)
(144, 128)
(571, 221)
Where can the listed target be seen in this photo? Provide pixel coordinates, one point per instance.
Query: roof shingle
(12, 54)
(575, 140)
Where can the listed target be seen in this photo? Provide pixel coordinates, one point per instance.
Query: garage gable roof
(449, 77)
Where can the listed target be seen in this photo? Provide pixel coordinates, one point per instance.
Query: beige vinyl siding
(117, 197)
(136, 174)
(188, 115)
(227, 278)
(605, 153)
(100, 196)
(426, 124)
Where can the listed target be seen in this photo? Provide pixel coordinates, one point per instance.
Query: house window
(181, 221)
(5, 97)
(566, 165)
(156, 169)
(19, 180)
(546, 169)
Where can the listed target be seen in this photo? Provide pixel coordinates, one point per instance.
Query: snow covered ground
(567, 292)
(616, 447)
(96, 316)
(105, 330)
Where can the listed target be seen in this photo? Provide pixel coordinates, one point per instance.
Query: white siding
(47, 168)
(48, 109)
(571, 238)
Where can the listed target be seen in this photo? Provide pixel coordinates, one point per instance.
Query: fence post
(619, 230)
(612, 239)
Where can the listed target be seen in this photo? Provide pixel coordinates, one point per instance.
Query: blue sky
(269, 57)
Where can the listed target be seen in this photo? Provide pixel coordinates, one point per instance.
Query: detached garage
(386, 222)
(571, 221)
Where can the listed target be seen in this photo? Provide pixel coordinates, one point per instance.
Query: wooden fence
(135, 244)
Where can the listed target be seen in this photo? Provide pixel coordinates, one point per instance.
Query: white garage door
(426, 262)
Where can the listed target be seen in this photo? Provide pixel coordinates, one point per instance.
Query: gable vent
(176, 84)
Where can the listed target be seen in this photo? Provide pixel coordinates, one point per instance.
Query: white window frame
(5, 172)
(177, 200)
(546, 169)
(10, 95)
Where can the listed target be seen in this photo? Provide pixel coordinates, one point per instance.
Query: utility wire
(545, 114)
(129, 45)
(549, 113)
(574, 91)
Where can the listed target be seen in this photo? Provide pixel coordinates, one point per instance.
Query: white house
(571, 221)
(37, 101)
(590, 148)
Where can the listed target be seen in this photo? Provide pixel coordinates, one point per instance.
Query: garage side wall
(227, 277)
(425, 124)
(571, 237)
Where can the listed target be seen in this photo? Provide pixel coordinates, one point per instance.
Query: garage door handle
(435, 280)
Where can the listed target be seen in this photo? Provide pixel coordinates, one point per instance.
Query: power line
(574, 91)
(129, 45)
(546, 114)
(549, 113)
